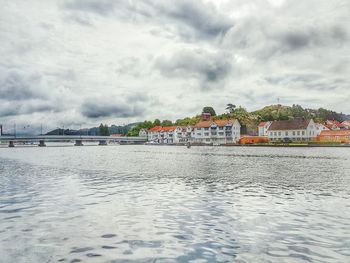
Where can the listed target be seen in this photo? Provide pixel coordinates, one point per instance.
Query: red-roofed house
(182, 134)
(216, 132)
(334, 125)
(167, 134)
(153, 134)
(263, 127)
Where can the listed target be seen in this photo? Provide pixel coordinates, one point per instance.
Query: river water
(173, 204)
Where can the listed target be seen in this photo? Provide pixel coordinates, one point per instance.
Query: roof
(296, 124)
(334, 122)
(155, 129)
(168, 128)
(262, 124)
(207, 124)
(335, 133)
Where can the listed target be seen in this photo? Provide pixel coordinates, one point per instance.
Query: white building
(153, 134)
(263, 127)
(143, 133)
(298, 129)
(183, 134)
(216, 132)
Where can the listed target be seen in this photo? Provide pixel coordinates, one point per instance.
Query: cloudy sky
(82, 62)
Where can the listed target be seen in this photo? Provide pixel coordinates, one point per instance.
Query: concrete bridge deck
(41, 139)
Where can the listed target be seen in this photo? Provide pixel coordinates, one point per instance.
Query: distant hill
(94, 131)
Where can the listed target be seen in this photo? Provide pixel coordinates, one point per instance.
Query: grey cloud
(207, 67)
(263, 37)
(203, 18)
(102, 109)
(310, 82)
(25, 108)
(101, 7)
(15, 85)
(190, 17)
(311, 37)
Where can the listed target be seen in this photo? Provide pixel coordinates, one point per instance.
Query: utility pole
(14, 130)
(41, 129)
(0, 129)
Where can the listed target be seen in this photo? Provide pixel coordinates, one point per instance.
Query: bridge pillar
(11, 144)
(42, 143)
(78, 143)
(102, 142)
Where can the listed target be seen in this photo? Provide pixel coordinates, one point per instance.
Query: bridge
(77, 139)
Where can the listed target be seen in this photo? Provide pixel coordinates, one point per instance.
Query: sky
(78, 63)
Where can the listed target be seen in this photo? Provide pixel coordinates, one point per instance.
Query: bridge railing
(72, 137)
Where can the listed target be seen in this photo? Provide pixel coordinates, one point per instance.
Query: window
(208, 140)
(221, 128)
(303, 132)
(293, 133)
(206, 134)
(213, 133)
(221, 133)
(298, 132)
(275, 133)
(286, 133)
(279, 133)
(206, 128)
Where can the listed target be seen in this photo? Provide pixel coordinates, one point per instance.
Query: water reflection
(173, 204)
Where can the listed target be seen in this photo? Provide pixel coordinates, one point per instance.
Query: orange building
(253, 139)
(342, 136)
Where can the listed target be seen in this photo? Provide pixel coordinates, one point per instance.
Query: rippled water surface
(173, 204)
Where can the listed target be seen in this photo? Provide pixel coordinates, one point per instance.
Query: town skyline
(85, 62)
(284, 110)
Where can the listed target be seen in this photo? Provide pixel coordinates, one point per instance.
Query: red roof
(262, 124)
(155, 129)
(168, 128)
(334, 122)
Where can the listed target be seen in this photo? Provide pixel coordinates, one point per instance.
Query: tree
(156, 122)
(166, 123)
(104, 130)
(230, 108)
(134, 131)
(209, 110)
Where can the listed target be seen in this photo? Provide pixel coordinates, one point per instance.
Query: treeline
(101, 130)
(249, 120)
